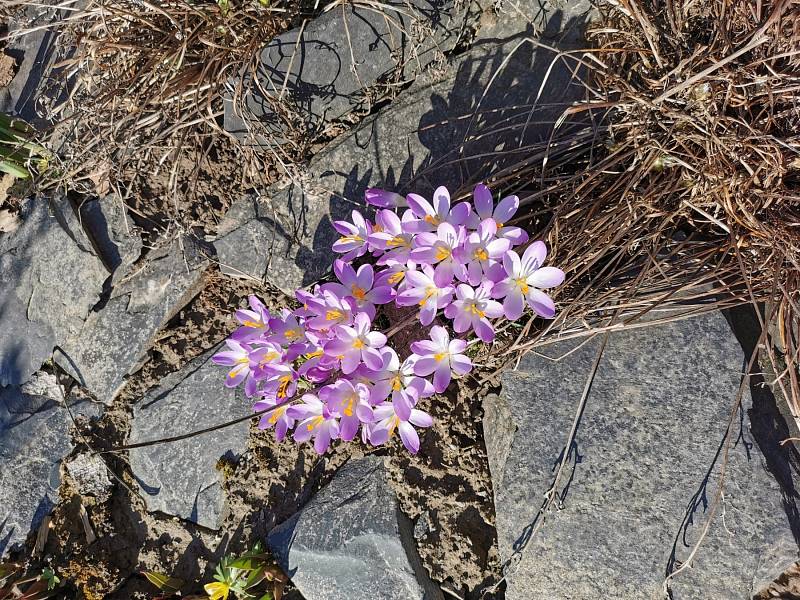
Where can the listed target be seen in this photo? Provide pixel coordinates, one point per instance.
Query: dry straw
(673, 189)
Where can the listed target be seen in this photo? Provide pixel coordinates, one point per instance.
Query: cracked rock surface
(50, 278)
(115, 338)
(182, 479)
(34, 438)
(352, 541)
(644, 470)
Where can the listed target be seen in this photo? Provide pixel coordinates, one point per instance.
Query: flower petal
(541, 303)
(546, 277)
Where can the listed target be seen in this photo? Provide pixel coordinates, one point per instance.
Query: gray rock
(35, 54)
(114, 234)
(34, 438)
(352, 541)
(417, 143)
(50, 278)
(181, 479)
(643, 471)
(324, 70)
(114, 339)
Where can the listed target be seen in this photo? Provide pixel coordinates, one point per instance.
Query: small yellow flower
(217, 590)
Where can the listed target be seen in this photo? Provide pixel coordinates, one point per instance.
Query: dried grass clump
(147, 88)
(681, 193)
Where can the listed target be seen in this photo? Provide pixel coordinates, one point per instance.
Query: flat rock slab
(114, 339)
(34, 438)
(181, 478)
(324, 70)
(420, 141)
(50, 278)
(352, 541)
(644, 470)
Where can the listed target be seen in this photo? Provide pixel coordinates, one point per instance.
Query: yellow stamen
(285, 381)
(293, 334)
(315, 423)
(397, 241)
(358, 344)
(351, 238)
(358, 293)
(253, 324)
(242, 361)
(473, 308)
(443, 252)
(277, 414)
(376, 228)
(348, 407)
(500, 226)
(439, 357)
(314, 354)
(481, 254)
(429, 292)
(333, 315)
(397, 383)
(393, 423)
(269, 357)
(523, 285)
(397, 277)
(432, 219)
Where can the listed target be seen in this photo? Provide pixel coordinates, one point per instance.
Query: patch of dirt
(8, 68)
(194, 188)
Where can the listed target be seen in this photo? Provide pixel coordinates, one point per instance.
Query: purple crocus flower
(388, 421)
(394, 274)
(422, 290)
(389, 238)
(429, 217)
(440, 249)
(500, 214)
(255, 321)
(442, 357)
(278, 417)
(281, 382)
(480, 251)
(350, 402)
(238, 357)
(358, 286)
(472, 309)
(399, 381)
(383, 199)
(354, 236)
(329, 311)
(286, 330)
(315, 420)
(357, 344)
(525, 280)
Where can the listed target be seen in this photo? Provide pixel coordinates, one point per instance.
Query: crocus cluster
(326, 372)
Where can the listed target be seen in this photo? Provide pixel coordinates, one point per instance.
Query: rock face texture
(324, 70)
(352, 541)
(113, 232)
(113, 340)
(644, 470)
(422, 140)
(50, 278)
(182, 479)
(34, 438)
(34, 54)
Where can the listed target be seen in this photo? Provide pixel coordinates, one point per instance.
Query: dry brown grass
(680, 191)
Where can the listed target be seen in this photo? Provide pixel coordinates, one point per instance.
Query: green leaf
(13, 169)
(224, 7)
(165, 583)
(49, 576)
